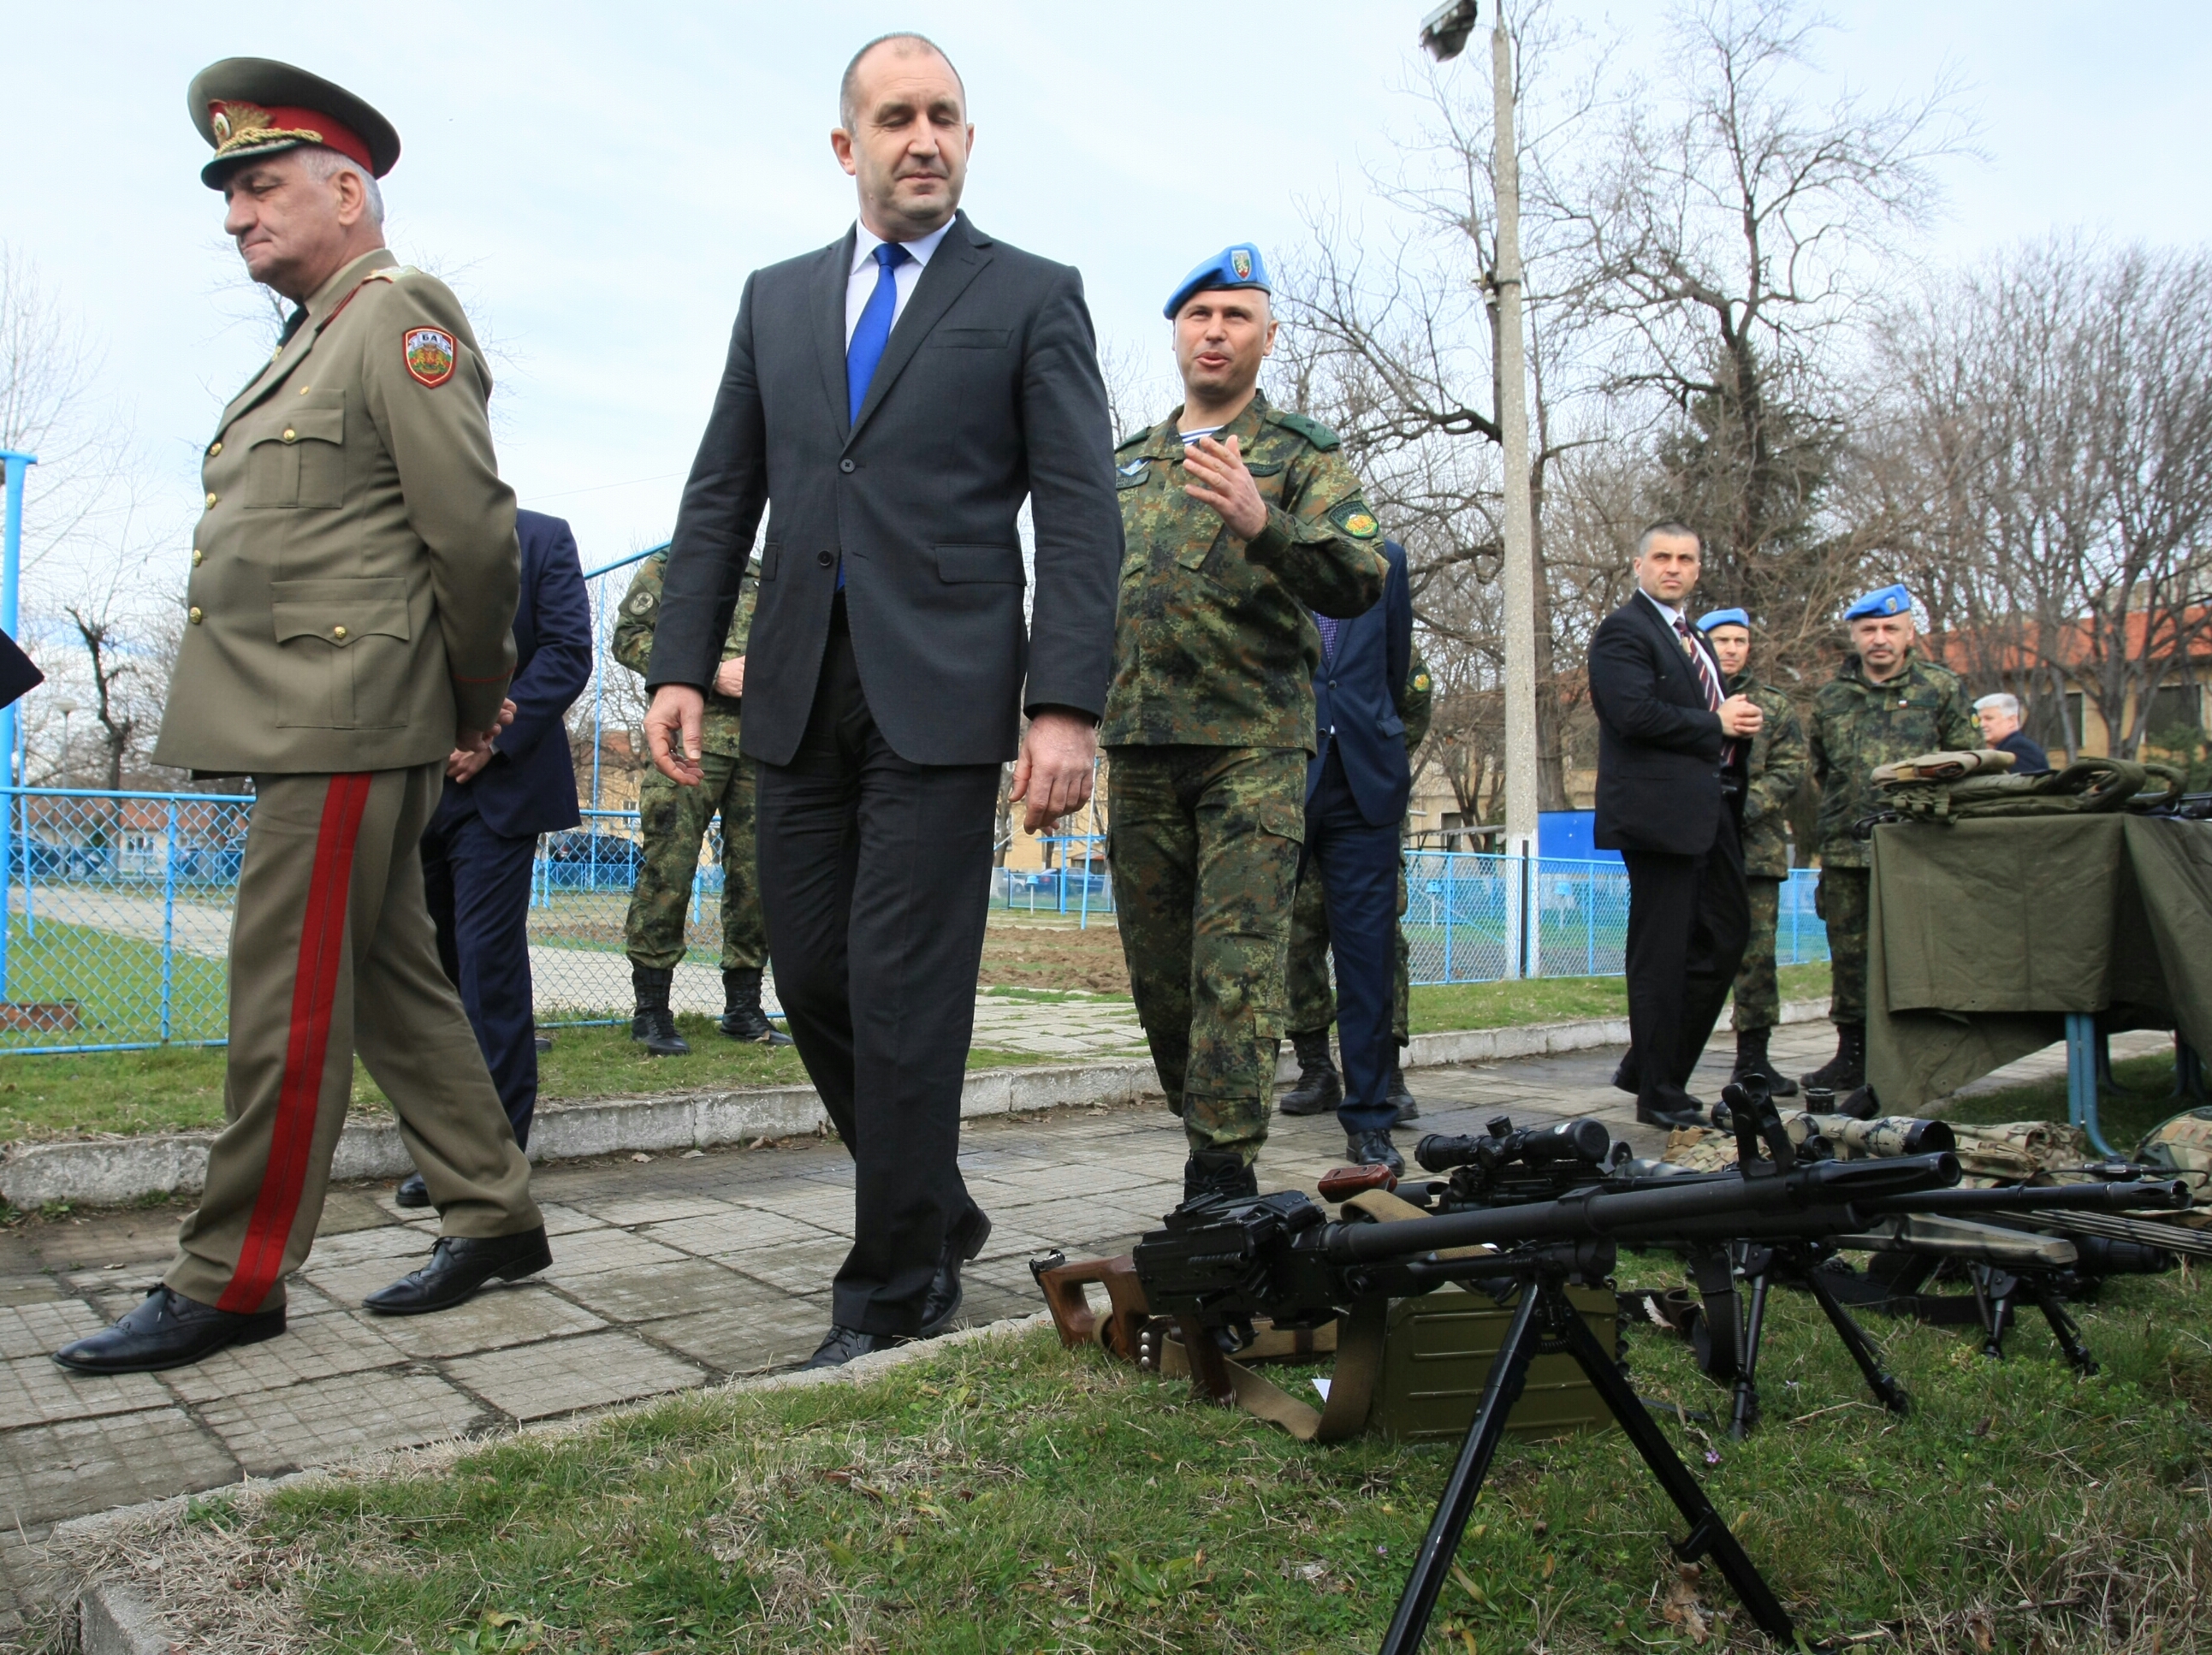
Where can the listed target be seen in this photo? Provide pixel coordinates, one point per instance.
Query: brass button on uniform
(213, 448)
(198, 557)
(211, 503)
(338, 632)
(290, 436)
(193, 615)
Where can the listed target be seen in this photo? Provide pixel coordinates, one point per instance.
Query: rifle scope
(1569, 1141)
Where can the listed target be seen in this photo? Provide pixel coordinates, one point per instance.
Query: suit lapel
(943, 279)
(828, 325)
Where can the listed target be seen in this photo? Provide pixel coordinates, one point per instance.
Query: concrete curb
(111, 1172)
(114, 1618)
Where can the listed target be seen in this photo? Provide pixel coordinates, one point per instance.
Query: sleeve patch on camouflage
(641, 604)
(1355, 520)
(1420, 680)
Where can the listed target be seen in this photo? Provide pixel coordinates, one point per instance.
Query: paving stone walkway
(669, 1272)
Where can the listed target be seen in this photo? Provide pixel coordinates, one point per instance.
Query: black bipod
(1733, 1326)
(1545, 1322)
(1996, 1292)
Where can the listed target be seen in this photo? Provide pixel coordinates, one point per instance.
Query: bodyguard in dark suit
(482, 842)
(1357, 785)
(892, 400)
(1672, 749)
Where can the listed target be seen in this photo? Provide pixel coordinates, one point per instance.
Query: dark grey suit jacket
(1658, 744)
(989, 394)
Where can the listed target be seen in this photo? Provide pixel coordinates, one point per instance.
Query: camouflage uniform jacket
(1856, 726)
(1213, 645)
(640, 612)
(1417, 702)
(1778, 763)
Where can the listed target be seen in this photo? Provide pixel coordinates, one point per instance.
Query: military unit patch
(430, 353)
(1355, 521)
(1240, 260)
(1420, 680)
(1135, 466)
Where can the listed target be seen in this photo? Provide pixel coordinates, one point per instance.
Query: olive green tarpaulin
(1984, 934)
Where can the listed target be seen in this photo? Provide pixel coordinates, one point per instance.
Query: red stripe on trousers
(299, 1098)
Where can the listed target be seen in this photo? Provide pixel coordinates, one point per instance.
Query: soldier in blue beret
(1886, 702)
(1232, 269)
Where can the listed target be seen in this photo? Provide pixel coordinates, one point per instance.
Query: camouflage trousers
(1758, 998)
(1842, 901)
(1312, 995)
(673, 820)
(1204, 847)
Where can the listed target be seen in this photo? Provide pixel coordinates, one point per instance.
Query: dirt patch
(1018, 955)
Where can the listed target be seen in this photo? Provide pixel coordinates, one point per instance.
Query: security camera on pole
(1444, 32)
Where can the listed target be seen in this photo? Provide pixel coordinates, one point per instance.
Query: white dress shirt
(862, 282)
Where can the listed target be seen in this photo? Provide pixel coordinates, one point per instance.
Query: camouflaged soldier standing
(1210, 717)
(353, 579)
(1312, 998)
(1777, 768)
(673, 820)
(1884, 703)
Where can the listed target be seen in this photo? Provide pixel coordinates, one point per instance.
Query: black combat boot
(1218, 1173)
(1320, 1088)
(1750, 1059)
(1846, 1070)
(1400, 1099)
(742, 1017)
(654, 1023)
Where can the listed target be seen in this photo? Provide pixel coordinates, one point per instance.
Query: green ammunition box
(1436, 1355)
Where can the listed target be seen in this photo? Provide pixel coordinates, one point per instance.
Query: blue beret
(1890, 600)
(1236, 266)
(1713, 617)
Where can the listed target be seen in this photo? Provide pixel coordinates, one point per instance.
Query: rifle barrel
(2169, 1196)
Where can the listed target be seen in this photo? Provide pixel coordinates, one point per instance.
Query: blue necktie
(1328, 625)
(873, 333)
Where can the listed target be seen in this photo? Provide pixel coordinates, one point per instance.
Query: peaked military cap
(1713, 617)
(1236, 266)
(245, 107)
(1890, 600)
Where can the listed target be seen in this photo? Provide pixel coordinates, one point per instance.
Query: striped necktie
(1710, 680)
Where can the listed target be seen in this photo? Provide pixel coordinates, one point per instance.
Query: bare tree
(1731, 232)
(2051, 470)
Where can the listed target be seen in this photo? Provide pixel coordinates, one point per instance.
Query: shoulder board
(1312, 430)
(1136, 439)
(391, 273)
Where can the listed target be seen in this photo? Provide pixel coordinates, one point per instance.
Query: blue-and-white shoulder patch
(1136, 466)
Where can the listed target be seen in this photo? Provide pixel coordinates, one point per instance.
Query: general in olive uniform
(1777, 770)
(674, 822)
(1885, 703)
(1210, 719)
(353, 579)
(1319, 1087)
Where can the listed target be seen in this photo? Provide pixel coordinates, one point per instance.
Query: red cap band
(251, 125)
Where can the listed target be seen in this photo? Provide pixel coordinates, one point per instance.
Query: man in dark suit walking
(1672, 750)
(482, 843)
(1356, 784)
(892, 400)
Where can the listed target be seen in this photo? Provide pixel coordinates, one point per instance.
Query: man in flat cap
(352, 580)
(1243, 524)
(1886, 702)
(1772, 774)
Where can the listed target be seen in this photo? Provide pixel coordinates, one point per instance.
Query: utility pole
(1444, 32)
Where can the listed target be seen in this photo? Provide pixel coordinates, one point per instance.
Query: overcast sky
(597, 179)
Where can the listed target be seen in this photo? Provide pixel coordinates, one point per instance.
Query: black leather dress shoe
(845, 1343)
(458, 1266)
(412, 1192)
(1682, 1111)
(1373, 1149)
(167, 1330)
(965, 1240)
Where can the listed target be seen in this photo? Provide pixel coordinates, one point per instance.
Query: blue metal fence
(118, 913)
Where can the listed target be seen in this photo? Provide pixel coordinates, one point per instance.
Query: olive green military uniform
(1777, 770)
(673, 818)
(1312, 993)
(1208, 725)
(353, 581)
(1855, 726)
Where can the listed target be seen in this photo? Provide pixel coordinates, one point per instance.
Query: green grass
(1011, 1496)
(179, 1089)
(1553, 999)
(115, 981)
(2148, 1083)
